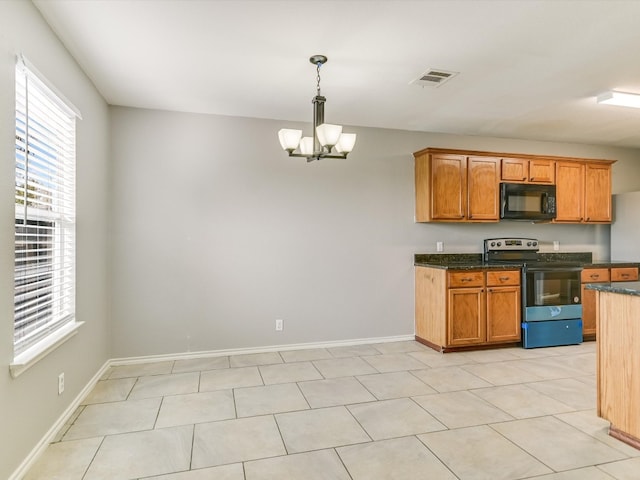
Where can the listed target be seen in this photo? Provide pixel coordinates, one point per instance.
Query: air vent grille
(434, 78)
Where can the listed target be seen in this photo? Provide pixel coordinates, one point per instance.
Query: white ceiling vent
(433, 77)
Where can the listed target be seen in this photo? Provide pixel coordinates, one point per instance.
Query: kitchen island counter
(623, 288)
(618, 358)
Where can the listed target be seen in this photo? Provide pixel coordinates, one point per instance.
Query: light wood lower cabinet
(466, 308)
(599, 275)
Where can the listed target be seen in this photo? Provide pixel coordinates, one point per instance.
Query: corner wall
(217, 233)
(29, 404)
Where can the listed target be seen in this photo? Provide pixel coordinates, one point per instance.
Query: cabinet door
(597, 199)
(483, 197)
(591, 275)
(466, 324)
(588, 312)
(569, 192)
(448, 187)
(542, 171)
(514, 170)
(503, 314)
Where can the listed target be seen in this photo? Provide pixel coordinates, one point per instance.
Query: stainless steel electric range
(551, 303)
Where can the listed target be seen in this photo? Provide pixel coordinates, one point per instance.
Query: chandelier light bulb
(346, 143)
(328, 134)
(289, 138)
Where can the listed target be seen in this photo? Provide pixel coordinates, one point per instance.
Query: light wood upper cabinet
(583, 192)
(464, 186)
(514, 170)
(456, 188)
(569, 192)
(597, 198)
(483, 183)
(520, 170)
(447, 190)
(542, 171)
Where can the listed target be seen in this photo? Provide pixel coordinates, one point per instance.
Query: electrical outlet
(439, 246)
(61, 383)
(556, 245)
(279, 325)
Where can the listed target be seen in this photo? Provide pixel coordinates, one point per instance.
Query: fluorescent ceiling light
(621, 99)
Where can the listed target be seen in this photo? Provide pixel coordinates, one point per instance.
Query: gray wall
(29, 404)
(216, 232)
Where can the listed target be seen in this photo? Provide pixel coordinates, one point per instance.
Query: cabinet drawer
(503, 277)
(466, 279)
(595, 275)
(624, 274)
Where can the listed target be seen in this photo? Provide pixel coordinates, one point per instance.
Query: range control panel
(507, 244)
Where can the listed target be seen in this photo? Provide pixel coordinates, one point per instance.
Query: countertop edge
(623, 288)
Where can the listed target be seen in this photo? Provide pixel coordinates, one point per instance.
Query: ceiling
(528, 69)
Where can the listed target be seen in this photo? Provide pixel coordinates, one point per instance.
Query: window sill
(37, 352)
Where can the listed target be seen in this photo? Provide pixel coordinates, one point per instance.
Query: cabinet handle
(533, 179)
(594, 275)
(466, 279)
(504, 279)
(624, 275)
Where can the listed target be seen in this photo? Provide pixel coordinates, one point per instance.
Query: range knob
(535, 244)
(499, 244)
(528, 244)
(493, 244)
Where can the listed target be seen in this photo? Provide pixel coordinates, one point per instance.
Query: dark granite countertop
(611, 264)
(624, 288)
(472, 261)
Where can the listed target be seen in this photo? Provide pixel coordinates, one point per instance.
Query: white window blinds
(44, 296)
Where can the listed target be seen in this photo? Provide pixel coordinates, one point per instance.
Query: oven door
(551, 293)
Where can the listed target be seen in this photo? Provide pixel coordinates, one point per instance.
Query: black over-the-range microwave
(524, 201)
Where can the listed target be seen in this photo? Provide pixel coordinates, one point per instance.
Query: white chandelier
(326, 136)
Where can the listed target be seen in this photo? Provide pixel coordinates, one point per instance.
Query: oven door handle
(553, 269)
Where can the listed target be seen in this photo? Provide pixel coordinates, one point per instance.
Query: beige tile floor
(384, 411)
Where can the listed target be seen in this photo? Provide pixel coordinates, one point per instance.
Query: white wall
(216, 232)
(29, 404)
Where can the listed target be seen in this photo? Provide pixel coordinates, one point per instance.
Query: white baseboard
(44, 442)
(244, 351)
(39, 449)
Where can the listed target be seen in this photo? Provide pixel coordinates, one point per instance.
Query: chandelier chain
(318, 78)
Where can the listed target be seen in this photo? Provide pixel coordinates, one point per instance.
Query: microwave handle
(545, 203)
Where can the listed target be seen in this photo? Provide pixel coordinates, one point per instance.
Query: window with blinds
(44, 297)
